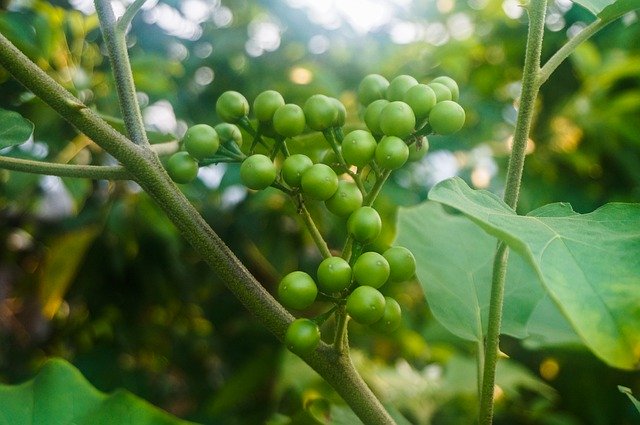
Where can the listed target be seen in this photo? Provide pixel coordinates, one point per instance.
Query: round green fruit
(319, 182)
(442, 92)
(399, 86)
(401, 262)
(391, 318)
(266, 104)
(397, 119)
(334, 274)
(293, 167)
(320, 112)
(201, 141)
(371, 269)
(182, 167)
(364, 224)
(371, 88)
(229, 133)
(372, 115)
(342, 112)
(366, 305)
(446, 117)
(358, 148)
(302, 336)
(391, 153)
(297, 290)
(346, 200)
(231, 106)
(451, 85)
(418, 150)
(257, 172)
(421, 98)
(288, 120)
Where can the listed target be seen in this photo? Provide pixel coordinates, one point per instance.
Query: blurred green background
(93, 272)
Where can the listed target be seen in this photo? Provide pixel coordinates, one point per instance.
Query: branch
(569, 47)
(127, 17)
(114, 39)
(95, 172)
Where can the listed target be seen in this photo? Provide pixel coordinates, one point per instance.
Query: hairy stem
(564, 52)
(128, 15)
(530, 85)
(96, 172)
(115, 40)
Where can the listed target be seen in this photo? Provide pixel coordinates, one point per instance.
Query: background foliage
(93, 272)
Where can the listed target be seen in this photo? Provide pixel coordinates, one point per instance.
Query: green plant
(392, 117)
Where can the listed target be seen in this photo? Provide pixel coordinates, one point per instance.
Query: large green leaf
(14, 129)
(609, 9)
(589, 264)
(454, 266)
(60, 395)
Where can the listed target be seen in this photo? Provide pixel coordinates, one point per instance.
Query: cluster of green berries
(398, 116)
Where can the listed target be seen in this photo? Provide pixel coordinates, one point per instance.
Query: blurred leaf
(627, 391)
(609, 9)
(14, 129)
(454, 265)
(587, 263)
(61, 264)
(59, 394)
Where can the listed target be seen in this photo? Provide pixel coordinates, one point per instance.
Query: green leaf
(627, 391)
(14, 129)
(454, 265)
(588, 264)
(60, 395)
(609, 9)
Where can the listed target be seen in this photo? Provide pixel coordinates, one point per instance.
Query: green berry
(257, 172)
(397, 119)
(421, 98)
(342, 112)
(391, 318)
(334, 274)
(442, 92)
(297, 290)
(266, 104)
(302, 336)
(366, 305)
(319, 182)
(288, 120)
(371, 269)
(371, 88)
(182, 167)
(451, 85)
(293, 167)
(201, 141)
(231, 106)
(346, 200)
(399, 86)
(418, 150)
(446, 117)
(392, 152)
(358, 148)
(229, 133)
(372, 115)
(320, 112)
(401, 262)
(364, 224)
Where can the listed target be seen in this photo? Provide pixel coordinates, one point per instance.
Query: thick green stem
(530, 86)
(128, 15)
(340, 340)
(145, 168)
(96, 172)
(115, 40)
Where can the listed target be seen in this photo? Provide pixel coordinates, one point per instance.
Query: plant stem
(536, 10)
(115, 40)
(313, 229)
(128, 15)
(569, 47)
(95, 172)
